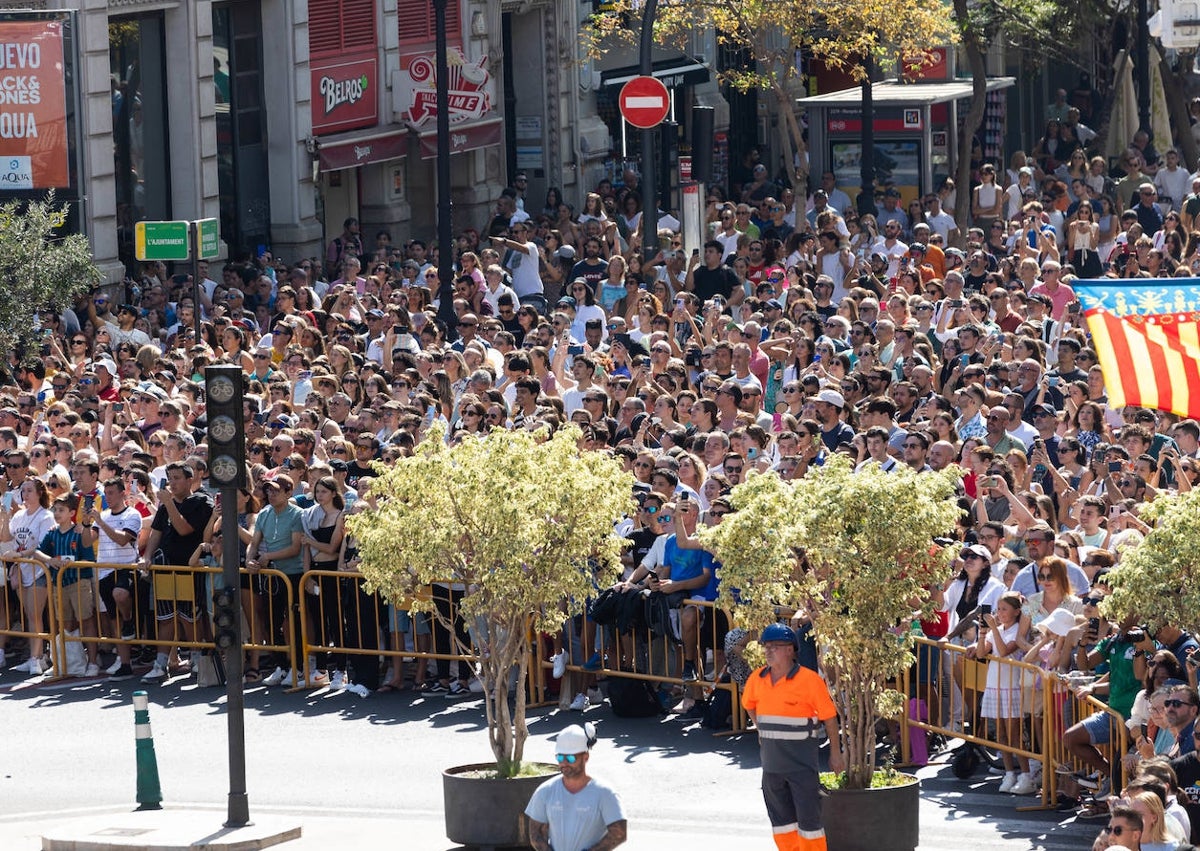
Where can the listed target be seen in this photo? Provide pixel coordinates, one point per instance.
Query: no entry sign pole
(644, 102)
(649, 189)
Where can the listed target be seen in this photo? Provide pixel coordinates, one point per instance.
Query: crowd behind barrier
(801, 328)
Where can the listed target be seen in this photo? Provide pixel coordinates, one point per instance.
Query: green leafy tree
(39, 268)
(855, 551)
(525, 522)
(1158, 580)
(840, 33)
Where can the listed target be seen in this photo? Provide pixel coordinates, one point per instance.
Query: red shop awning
(352, 150)
(463, 137)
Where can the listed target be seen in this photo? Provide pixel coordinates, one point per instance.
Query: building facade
(282, 118)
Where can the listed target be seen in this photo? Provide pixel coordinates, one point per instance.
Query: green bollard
(149, 794)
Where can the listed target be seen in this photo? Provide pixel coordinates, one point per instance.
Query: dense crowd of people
(801, 328)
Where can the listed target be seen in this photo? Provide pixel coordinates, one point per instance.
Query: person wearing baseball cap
(575, 812)
(834, 432)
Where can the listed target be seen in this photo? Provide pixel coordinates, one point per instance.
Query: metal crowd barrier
(341, 620)
(26, 612)
(1043, 700)
(178, 589)
(639, 654)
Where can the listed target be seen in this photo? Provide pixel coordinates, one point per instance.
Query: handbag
(71, 653)
(210, 672)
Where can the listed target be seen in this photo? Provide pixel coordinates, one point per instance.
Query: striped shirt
(58, 544)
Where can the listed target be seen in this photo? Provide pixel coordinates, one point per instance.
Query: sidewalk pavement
(418, 831)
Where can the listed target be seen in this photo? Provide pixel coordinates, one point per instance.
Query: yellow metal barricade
(178, 595)
(342, 620)
(640, 653)
(1021, 694)
(26, 611)
(1048, 704)
(1073, 709)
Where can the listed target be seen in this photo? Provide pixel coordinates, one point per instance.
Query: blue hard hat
(779, 632)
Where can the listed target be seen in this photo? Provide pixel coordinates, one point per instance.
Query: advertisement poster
(33, 106)
(469, 85)
(344, 95)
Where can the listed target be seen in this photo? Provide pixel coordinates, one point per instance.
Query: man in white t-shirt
(523, 261)
(117, 527)
(890, 246)
(575, 811)
(939, 220)
(1173, 183)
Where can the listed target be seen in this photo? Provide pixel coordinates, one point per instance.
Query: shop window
(417, 22)
(141, 148)
(242, 169)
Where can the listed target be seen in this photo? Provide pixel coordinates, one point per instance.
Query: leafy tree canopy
(39, 269)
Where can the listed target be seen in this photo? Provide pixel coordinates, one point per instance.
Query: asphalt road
(365, 773)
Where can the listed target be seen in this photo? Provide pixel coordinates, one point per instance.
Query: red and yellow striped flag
(1146, 334)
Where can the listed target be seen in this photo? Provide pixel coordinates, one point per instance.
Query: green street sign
(208, 237)
(161, 240)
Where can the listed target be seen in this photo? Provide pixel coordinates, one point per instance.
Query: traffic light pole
(239, 803)
(224, 395)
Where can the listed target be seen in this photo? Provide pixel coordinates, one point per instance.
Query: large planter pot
(871, 819)
(482, 812)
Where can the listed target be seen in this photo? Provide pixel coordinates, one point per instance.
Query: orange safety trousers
(799, 840)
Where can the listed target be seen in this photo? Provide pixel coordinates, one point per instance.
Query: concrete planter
(871, 819)
(487, 813)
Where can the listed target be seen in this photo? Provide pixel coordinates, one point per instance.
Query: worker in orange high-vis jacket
(788, 704)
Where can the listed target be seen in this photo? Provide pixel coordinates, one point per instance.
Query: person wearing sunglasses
(575, 811)
(1124, 830)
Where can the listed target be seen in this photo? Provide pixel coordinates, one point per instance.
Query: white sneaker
(274, 678)
(360, 690)
(154, 674)
(289, 682)
(560, 664)
(1009, 781)
(580, 703)
(337, 681)
(319, 678)
(1024, 785)
(93, 670)
(38, 666)
(25, 667)
(114, 667)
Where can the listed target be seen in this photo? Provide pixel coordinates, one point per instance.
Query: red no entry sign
(644, 102)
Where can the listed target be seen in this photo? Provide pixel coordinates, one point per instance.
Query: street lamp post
(649, 190)
(445, 228)
(1141, 66)
(866, 198)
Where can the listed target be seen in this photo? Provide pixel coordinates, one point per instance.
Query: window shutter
(337, 27)
(416, 21)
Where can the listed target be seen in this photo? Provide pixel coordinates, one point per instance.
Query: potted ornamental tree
(1158, 579)
(524, 521)
(855, 551)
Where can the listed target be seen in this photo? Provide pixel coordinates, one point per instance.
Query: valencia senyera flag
(1146, 333)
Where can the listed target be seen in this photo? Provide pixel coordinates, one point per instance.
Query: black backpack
(718, 709)
(632, 698)
(604, 609)
(658, 617)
